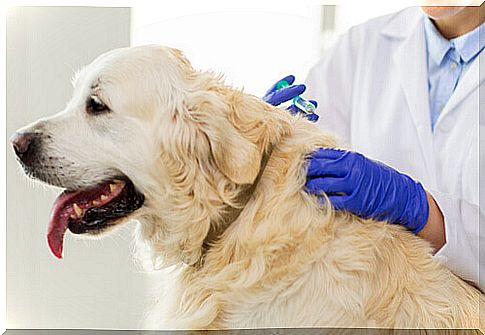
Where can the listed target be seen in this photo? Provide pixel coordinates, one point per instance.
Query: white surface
(96, 285)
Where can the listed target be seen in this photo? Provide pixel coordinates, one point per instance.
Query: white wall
(96, 285)
(253, 45)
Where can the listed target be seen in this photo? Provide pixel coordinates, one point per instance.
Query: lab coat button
(453, 65)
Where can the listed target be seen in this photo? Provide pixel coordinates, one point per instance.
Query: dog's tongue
(73, 205)
(61, 210)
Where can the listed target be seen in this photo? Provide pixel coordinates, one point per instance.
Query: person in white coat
(403, 89)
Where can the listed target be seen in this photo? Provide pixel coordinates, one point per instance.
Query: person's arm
(434, 229)
(371, 189)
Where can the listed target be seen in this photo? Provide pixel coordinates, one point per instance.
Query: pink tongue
(58, 222)
(63, 209)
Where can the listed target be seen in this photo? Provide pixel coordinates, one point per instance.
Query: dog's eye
(95, 106)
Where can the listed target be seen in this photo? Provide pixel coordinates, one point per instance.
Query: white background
(253, 47)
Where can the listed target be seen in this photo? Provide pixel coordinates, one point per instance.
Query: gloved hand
(367, 188)
(276, 97)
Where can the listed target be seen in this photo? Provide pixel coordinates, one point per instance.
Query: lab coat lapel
(467, 84)
(411, 63)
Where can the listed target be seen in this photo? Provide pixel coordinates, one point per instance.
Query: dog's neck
(190, 230)
(233, 213)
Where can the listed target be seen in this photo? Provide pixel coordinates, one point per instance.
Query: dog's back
(288, 261)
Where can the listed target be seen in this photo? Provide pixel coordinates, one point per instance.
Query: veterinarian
(403, 89)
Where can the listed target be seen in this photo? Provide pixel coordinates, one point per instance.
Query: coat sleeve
(330, 83)
(463, 237)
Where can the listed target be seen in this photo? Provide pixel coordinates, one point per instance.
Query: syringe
(298, 101)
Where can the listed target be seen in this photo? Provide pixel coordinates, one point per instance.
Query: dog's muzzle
(26, 146)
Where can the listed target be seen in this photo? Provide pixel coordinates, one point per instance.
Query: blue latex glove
(367, 188)
(276, 97)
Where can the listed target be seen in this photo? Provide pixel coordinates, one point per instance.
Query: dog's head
(146, 136)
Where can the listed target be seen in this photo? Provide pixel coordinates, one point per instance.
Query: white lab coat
(372, 91)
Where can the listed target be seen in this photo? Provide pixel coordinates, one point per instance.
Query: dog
(215, 178)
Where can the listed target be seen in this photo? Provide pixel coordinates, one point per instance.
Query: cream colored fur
(192, 144)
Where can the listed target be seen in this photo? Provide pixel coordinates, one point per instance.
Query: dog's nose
(23, 145)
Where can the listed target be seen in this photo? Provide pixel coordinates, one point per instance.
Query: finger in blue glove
(285, 94)
(290, 79)
(276, 97)
(367, 188)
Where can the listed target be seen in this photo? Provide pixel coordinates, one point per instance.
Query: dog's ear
(235, 156)
(234, 153)
(238, 127)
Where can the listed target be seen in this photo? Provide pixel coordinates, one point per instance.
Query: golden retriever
(215, 177)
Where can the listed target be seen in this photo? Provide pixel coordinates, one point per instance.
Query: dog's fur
(192, 145)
